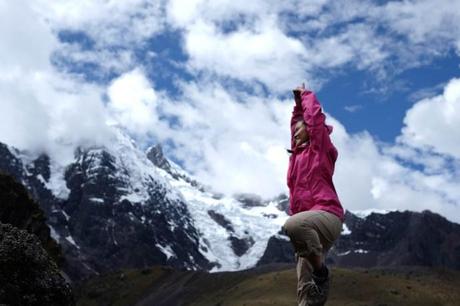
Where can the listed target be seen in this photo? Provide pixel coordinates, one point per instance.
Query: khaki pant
(310, 232)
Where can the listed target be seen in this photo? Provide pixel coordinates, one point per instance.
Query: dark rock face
(221, 220)
(399, 238)
(392, 239)
(278, 251)
(155, 155)
(33, 176)
(241, 245)
(249, 200)
(28, 276)
(101, 226)
(112, 232)
(283, 202)
(10, 164)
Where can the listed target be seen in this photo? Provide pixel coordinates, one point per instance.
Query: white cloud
(384, 175)
(434, 122)
(255, 42)
(423, 21)
(234, 143)
(115, 29)
(108, 23)
(353, 108)
(369, 177)
(26, 46)
(264, 54)
(41, 109)
(50, 113)
(133, 102)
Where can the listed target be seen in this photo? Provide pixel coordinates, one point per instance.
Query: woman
(316, 215)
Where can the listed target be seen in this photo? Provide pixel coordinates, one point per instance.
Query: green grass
(119, 288)
(358, 287)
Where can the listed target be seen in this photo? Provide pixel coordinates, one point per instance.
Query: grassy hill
(270, 285)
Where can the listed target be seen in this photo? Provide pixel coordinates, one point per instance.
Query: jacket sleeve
(314, 119)
(297, 114)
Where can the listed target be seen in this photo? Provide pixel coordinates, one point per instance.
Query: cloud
(113, 32)
(133, 102)
(43, 110)
(26, 46)
(263, 55)
(108, 23)
(268, 43)
(233, 143)
(409, 18)
(384, 177)
(421, 170)
(353, 108)
(433, 122)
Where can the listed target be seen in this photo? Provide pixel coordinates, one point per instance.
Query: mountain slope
(117, 206)
(270, 285)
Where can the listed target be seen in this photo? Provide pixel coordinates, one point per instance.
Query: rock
(277, 251)
(28, 275)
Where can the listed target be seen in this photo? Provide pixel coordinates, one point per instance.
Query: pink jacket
(311, 165)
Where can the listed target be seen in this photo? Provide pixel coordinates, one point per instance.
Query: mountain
(385, 239)
(119, 207)
(399, 238)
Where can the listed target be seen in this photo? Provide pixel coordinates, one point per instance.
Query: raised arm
(312, 114)
(297, 114)
(315, 120)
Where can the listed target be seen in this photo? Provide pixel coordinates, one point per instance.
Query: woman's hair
(303, 122)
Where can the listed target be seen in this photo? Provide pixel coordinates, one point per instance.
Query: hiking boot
(318, 290)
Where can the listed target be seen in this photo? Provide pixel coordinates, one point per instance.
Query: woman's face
(300, 133)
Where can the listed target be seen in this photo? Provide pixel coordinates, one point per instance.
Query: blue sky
(382, 113)
(212, 80)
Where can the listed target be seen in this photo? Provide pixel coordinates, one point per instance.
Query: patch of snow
(344, 253)
(345, 230)
(361, 251)
(98, 200)
(131, 216)
(246, 222)
(41, 179)
(167, 250)
(67, 217)
(54, 234)
(57, 183)
(366, 212)
(283, 237)
(70, 239)
(133, 198)
(140, 173)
